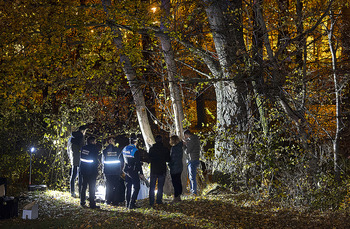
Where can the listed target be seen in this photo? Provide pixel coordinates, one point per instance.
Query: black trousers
(115, 189)
(176, 180)
(90, 180)
(75, 173)
(132, 181)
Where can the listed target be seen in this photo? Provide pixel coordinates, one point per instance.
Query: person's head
(91, 140)
(133, 139)
(174, 140)
(111, 140)
(82, 129)
(187, 133)
(158, 139)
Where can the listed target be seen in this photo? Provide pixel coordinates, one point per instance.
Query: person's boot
(177, 199)
(94, 206)
(133, 205)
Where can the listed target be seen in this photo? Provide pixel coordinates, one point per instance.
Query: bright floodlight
(32, 149)
(101, 192)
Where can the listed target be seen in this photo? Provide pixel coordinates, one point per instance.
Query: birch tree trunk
(136, 91)
(337, 88)
(172, 72)
(174, 88)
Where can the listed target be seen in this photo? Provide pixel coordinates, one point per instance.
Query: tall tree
(333, 46)
(131, 75)
(225, 20)
(172, 71)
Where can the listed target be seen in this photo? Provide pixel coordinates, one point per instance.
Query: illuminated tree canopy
(264, 83)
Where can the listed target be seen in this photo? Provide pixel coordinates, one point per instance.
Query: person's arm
(138, 162)
(167, 155)
(121, 159)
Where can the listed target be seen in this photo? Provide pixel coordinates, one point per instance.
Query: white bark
(130, 73)
(333, 51)
(174, 88)
(172, 72)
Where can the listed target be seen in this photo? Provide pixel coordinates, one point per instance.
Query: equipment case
(8, 207)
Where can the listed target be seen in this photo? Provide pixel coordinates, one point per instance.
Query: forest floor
(59, 210)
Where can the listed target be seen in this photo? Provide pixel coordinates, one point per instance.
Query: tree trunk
(226, 25)
(337, 89)
(173, 76)
(174, 87)
(258, 78)
(136, 91)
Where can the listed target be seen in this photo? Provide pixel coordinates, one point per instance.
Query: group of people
(122, 167)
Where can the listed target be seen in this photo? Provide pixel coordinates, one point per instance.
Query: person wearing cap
(192, 150)
(113, 161)
(75, 143)
(89, 170)
(133, 172)
(158, 156)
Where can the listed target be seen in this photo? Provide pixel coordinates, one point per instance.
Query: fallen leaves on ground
(59, 210)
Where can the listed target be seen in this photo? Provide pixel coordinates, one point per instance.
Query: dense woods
(263, 83)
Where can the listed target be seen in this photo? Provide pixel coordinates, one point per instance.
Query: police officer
(133, 172)
(89, 170)
(113, 162)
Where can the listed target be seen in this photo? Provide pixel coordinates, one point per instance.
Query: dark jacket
(113, 161)
(77, 141)
(176, 154)
(78, 138)
(158, 156)
(89, 160)
(193, 148)
(132, 161)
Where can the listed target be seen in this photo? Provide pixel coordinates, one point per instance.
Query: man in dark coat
(113, 162)
(75, 143)
(158, 156)
(133, 172)
(89, 170)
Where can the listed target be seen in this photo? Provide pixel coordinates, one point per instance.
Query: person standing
(158, 156)
(89, 170)
(113, 162)
(192, 150)
(133, 172)
(176, 166)
(75, 143)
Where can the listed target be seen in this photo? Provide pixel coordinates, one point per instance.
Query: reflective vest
(111, 161)
(88, 159)
(129, 157)
(85, 157)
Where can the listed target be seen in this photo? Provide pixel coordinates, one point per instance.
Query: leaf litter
(59, 210)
